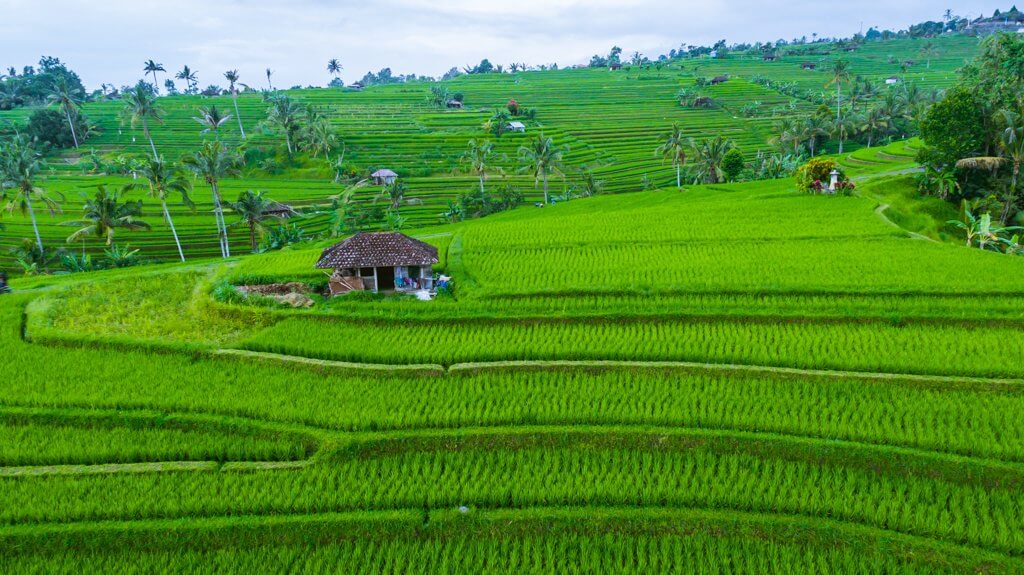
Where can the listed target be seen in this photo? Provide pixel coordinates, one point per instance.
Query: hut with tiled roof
(379, 261)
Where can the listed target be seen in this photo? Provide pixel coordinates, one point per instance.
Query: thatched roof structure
(377, 249)
(719, 80)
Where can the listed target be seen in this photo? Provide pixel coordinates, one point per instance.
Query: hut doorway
(385, 279)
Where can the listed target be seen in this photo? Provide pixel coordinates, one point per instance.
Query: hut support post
(376, 287)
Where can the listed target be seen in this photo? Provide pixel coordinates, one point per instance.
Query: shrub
(814, 176)
(733, 164)
(51, 126)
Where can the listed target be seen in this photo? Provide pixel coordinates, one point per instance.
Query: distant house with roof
(809, 66)
(615, 66)
(516, 126)
(379, 261)
(454, 104)
(769, 57)
(383, 177)
(892, 80)
(279, 210)
(719, 80)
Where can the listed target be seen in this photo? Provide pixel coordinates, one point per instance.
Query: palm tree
(211, 119)
(190, 77)
(674, 148)
(812, 128)
(252, 208)
(497, 124)
(542, 158)
(212, 163)
(394, 195)
(68, 98)
(478, 157)
(708, 156)
(151, 67)
(928, 51)
(787, 132)
(232, 77)
(19, 166)
(846, 128)
(334, 67)
(319, 138)
(1011, 149)
(874, 121)
(165, 181)
(840, 73)
(284, 113)
(269, 73)
(140, 106)
(104, 214)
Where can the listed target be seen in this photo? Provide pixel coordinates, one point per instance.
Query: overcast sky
(108, 40)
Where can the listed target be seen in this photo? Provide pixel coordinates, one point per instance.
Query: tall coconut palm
(269, 83)
(708, 156)
(478, 156)
(1011, 150)
(165, 181)
(212, 163)
(334, 67)
(874, 122)
(20, 164)
(542, 158)
(151, 67)
(211, 119)
(846, 128)
(929, 51)
(840, 73)
(190, 77)
(673, 148)
(104, 214)
(252, 208)
(141, 107)
(284, 114)
(69, 98)
(787, 132)
(232, 77)
(814, 127)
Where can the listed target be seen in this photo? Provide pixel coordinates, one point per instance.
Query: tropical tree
(334, 67)
(846, 128)
(190, 77)
(873, 123)
(589, 185)
(394, 194)
(141, 107)
(68, 98)
(232, 77)
(708, 156)
(212, 163)
(269, 73)
(542, 158)
(929, 51)
(151, 67)
(497, 124)
(673, 148)
(1011, 150)
(787, 132)
(104, 214)
(319, 137)
(812, 128)
(20, 164)
(840, 73)
(284, 113)
(478, 157)
(165, 181)
(252, 208)
(211, 119)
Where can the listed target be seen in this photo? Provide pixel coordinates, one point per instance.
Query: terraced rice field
(611, 122)
(619, 384)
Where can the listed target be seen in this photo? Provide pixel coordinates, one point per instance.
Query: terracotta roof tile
(378, 249)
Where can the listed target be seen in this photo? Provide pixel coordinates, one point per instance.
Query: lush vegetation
(752, 374)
